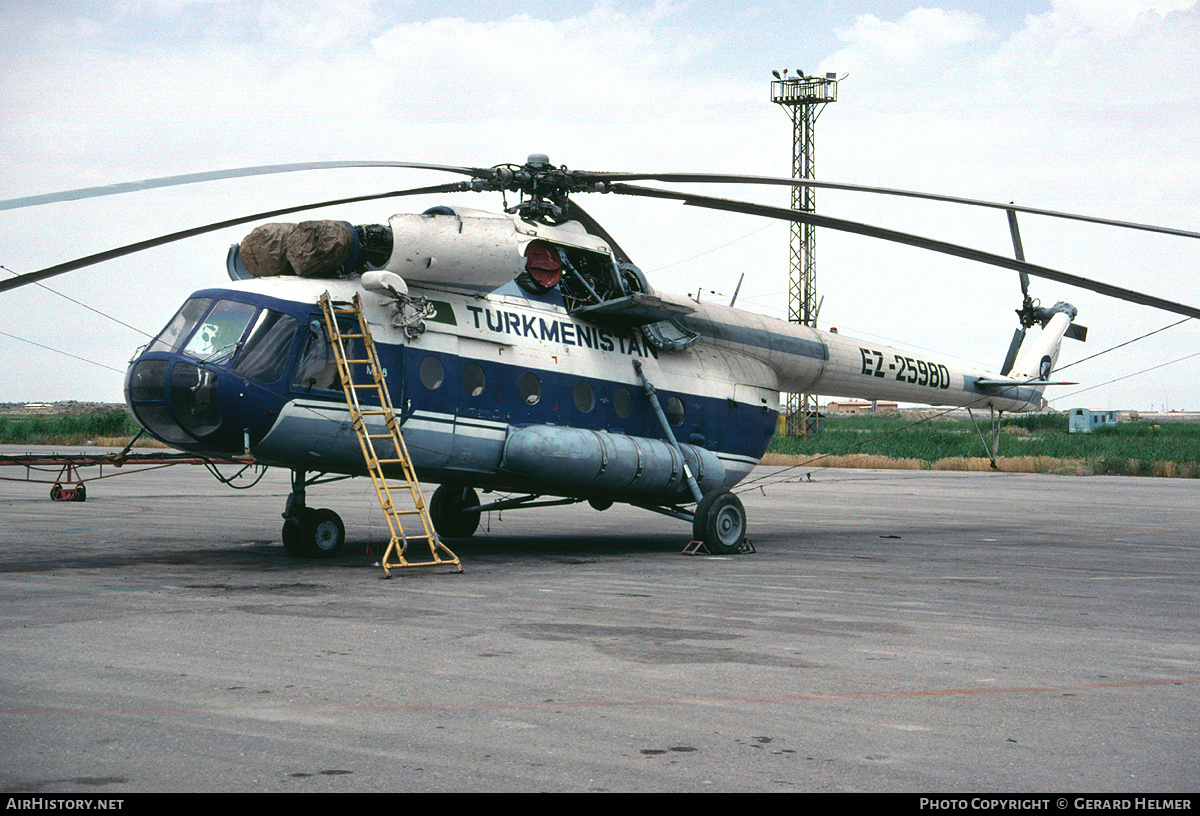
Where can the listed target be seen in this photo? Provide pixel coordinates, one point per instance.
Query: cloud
(922, 33)
(317, 25)
(534, 68)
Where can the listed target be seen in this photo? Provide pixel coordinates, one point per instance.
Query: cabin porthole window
(674, 411)
(473, 379)
(623, 403)
(432, 373)
(585, 397)
(529, 387)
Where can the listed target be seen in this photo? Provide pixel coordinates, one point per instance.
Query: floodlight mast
(803, 97)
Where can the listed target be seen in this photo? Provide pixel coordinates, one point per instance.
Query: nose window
(147, 381)
(194, 398)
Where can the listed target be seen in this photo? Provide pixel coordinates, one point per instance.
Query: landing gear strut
(307, 531)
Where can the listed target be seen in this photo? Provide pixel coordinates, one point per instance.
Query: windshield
(210, 330)
(220, 331)
(181, 325)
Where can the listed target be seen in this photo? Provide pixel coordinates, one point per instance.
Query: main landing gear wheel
(720, 522)
(314, 533)
(447, 513)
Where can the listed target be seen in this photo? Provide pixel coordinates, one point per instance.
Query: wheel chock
(699, 548)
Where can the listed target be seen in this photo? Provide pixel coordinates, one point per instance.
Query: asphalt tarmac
(894, 631)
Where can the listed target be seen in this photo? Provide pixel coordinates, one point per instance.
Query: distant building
(860, 407)
(1083, 420)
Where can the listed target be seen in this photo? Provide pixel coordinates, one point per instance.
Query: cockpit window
(218, 335)
(181, 325)
(316, 369)
(267, 345)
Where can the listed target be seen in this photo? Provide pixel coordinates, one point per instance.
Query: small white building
(1083, 420)
(860, 407)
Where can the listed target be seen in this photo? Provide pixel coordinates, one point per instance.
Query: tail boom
(811, 361)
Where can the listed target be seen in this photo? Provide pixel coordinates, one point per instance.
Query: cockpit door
(316, 371)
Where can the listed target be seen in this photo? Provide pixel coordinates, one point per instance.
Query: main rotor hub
(544, 187)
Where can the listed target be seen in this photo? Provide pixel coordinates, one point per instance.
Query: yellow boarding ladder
(396, 457)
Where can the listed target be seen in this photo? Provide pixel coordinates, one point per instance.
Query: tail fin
(1037, 360)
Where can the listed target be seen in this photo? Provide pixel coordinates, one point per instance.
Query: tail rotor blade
(1015, 346)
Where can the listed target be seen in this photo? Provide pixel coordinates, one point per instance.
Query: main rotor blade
(129, 249)
(216, 175)
(1018, 249)
(785, 214)
(779, 180)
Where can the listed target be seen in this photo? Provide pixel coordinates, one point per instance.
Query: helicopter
(527, 354)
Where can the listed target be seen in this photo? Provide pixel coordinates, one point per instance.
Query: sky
(1069, 105)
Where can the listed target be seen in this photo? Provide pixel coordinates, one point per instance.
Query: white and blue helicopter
(526, 354)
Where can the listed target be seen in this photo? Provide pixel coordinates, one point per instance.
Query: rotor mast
(803, 97)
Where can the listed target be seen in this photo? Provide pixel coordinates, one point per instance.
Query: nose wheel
(307, 531)
(312, 533)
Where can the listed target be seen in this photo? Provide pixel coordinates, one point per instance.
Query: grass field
(110, 428)
(1031, 444)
